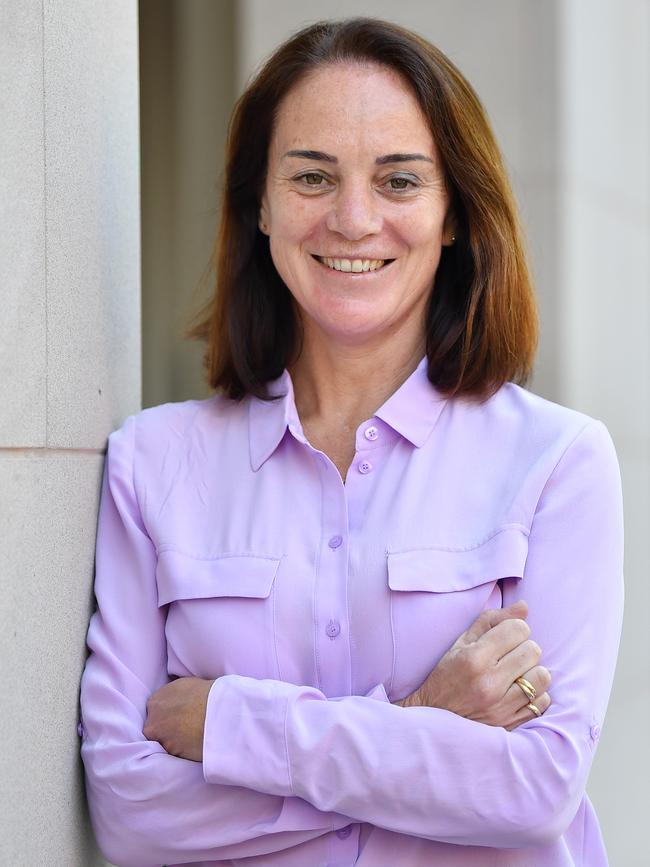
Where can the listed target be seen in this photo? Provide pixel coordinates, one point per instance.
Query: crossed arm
(475, 679)
(282, 764)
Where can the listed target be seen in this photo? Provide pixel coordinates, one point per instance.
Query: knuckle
(484, 691)
(522, 627)
(533, 647)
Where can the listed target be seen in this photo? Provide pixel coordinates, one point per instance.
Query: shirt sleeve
(426, 771)
(148, 807)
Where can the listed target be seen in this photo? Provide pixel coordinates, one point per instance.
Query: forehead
(352, 105)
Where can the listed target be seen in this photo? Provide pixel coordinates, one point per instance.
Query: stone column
(69, 374)
(604, 315)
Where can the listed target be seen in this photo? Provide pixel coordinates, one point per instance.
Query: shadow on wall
(187, 91)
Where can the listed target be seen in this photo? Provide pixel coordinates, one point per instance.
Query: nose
(355, 212)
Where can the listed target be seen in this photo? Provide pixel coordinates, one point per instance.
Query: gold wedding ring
(528, 688)
(534, 708)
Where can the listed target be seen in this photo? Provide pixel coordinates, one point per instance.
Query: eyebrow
(380, 161)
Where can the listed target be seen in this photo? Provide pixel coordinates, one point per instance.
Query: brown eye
(403, 184)
(308, 177)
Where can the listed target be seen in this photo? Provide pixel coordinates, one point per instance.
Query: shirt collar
(412, 410)
(268, 420)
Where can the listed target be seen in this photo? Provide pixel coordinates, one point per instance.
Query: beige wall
(69, 373)
(604, 312)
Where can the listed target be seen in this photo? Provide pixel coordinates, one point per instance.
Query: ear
(449, 229)
(263, 219)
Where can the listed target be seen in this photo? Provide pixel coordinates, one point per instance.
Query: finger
(539, 678)
(522, 658)
(491, 617)
(542, 703)
(501, 640)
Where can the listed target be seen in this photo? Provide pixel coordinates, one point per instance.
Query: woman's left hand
(176, 717)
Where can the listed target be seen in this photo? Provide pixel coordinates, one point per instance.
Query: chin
(342, 330)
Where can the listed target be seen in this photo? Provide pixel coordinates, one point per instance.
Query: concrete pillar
(69, 373)
(604, 314)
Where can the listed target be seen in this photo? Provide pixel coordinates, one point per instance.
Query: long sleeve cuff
(244, 742)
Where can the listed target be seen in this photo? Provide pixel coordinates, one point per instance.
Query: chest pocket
(436, 593)
(220, 613)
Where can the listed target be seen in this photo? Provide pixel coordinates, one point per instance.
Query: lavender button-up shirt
(229, 548)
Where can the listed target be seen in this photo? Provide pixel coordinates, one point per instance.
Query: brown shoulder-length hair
(481, 316)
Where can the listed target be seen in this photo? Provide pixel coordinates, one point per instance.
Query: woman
(311, 645)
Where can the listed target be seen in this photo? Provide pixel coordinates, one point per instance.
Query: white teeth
(356, 265)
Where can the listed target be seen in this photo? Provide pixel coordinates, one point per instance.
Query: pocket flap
(180, 576)
(441, 570)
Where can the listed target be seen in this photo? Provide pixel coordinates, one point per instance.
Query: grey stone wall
(69, 373)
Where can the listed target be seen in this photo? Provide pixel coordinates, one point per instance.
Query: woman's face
(354, 174)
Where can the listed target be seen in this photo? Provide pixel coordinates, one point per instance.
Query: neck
(342, 385)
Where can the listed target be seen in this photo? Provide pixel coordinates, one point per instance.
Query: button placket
(332, 645)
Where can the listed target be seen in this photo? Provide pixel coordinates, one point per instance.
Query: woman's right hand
(475, 678)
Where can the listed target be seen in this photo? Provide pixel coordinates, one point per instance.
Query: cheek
(291, 234)
(420, 230)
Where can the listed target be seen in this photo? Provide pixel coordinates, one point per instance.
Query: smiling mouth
(353, 266)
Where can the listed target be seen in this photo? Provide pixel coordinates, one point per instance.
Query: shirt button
(333, 628)
(594, 732)
(335, 541)
(80, 730)
(365, 467)
(343, 833)
(371, 433)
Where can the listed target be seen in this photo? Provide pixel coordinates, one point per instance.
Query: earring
(453, 238)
